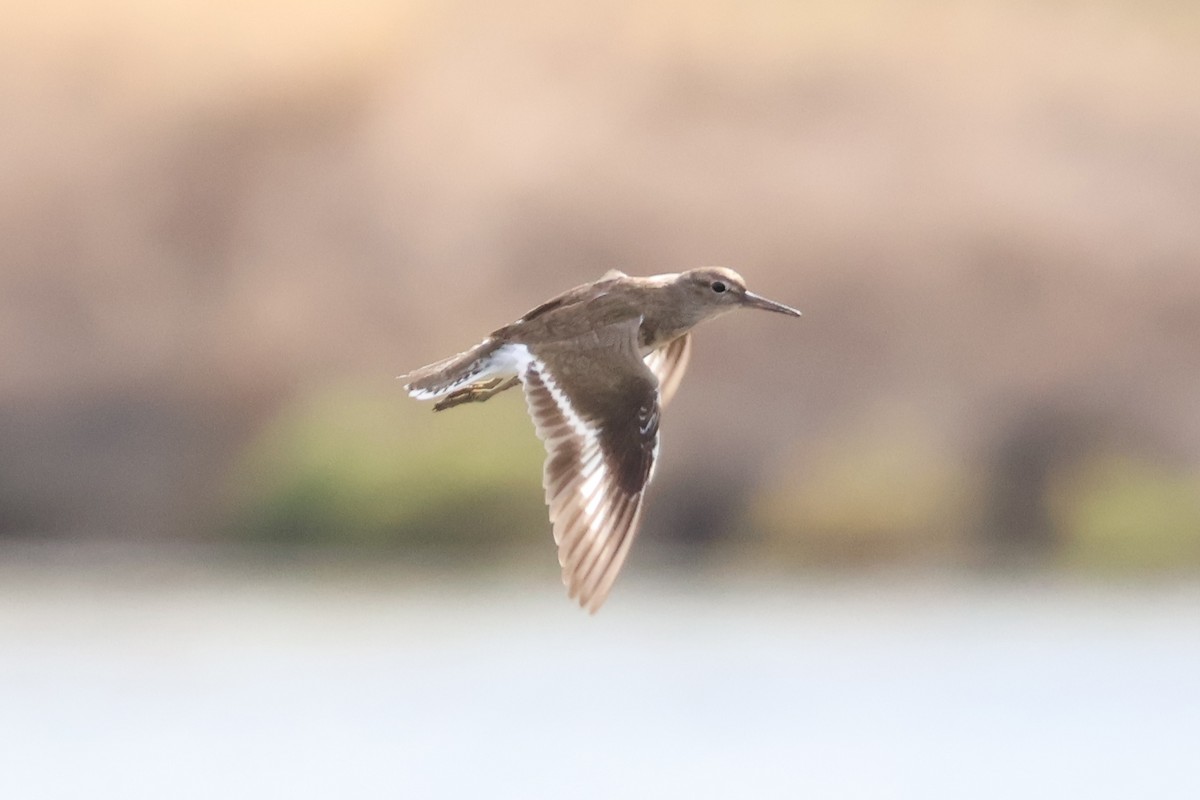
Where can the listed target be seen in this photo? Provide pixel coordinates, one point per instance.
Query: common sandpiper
(598, 363)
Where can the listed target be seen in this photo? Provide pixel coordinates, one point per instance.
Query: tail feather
(443, 377)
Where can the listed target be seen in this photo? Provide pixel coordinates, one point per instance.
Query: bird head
(716, 290)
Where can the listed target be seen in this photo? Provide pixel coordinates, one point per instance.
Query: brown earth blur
(228, 226)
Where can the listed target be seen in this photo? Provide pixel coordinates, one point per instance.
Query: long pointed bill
(752, 300)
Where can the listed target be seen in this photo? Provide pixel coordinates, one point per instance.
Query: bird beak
(755, 301)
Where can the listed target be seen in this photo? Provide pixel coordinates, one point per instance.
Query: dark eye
(719, 286)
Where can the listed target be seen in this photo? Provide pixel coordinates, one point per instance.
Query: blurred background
(946, 524)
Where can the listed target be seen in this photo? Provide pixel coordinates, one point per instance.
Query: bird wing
(668, 364)
(595, 406)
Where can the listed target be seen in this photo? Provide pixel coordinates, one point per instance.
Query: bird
(598, 364)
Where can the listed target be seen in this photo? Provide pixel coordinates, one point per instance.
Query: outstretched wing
(595, 406)
(668, 364)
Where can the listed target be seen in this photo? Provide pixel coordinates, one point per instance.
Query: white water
(214, 685)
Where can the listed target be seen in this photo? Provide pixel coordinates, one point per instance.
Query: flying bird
(598, 363)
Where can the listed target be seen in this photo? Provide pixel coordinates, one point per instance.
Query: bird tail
(450, 374)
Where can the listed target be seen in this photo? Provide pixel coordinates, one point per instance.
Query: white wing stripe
(582, 429)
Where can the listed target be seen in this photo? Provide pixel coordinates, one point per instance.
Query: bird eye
(719, 286)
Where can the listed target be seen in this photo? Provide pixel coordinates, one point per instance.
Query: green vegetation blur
(343, 467)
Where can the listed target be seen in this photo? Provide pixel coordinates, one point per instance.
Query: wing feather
(601, 439)
(668, 363)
